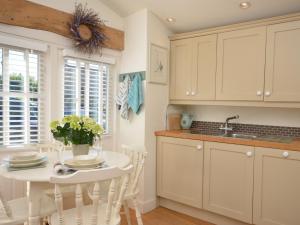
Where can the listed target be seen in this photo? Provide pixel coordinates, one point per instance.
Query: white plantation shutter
(87, 90)
(21, 96)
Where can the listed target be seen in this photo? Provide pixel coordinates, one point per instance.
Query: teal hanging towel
(136, 95)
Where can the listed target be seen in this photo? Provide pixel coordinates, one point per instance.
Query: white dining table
(39, 178)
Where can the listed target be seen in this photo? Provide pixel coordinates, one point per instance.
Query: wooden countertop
(186, 134)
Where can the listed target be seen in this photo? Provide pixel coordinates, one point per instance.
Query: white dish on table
(83, 165)
(24, 155)
(85, 159)
(28, 164)
(37, 158)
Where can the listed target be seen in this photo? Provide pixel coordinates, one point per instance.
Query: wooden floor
(163, 216)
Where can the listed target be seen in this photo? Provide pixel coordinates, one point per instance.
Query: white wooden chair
(137, 157)
(15, 211)
(99, 212)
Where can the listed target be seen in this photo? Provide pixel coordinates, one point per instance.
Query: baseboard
(147, 206)
(198, 213)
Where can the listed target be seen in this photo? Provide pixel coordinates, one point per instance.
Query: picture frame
(159, 64)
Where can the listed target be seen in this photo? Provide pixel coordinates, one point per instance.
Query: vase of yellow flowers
(78, 131)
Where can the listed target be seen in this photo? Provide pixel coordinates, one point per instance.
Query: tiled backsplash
(213, 128)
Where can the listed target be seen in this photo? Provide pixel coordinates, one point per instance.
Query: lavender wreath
(87, 30)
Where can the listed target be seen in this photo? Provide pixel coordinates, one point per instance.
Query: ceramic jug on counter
(186, 120)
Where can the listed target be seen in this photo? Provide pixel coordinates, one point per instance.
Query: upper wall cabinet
(204, 67)
(283, 62)
(181, 69)
(241, 64)
(193, 68)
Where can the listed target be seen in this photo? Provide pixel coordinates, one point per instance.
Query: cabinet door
(181, 69)
(180, 170)
(204, 67)
(283, 63)
(228, 180)
(277, 187)
(241, 64)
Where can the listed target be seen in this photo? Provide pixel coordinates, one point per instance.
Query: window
(21, 101)
(86, 90)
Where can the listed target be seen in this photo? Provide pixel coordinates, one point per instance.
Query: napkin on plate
(61, 169)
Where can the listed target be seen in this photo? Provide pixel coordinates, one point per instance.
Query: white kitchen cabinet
(228, 180)
(283, 63)
(276, 187)
(180, 170)
(241, 64)
(204, 68)
(181, 69)
(193, 68)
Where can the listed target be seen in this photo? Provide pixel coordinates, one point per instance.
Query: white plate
(85, 159)
(37, 158)
(25, 165)
(24, 156)
(74, 164)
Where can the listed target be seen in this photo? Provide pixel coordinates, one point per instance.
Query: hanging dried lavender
(87, 30)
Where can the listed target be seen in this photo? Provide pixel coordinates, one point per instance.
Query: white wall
(141, 29)
(157, 98)
(134, 58)
(250, 115)
(110, 17)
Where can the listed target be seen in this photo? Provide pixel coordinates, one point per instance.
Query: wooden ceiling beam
(35, 16)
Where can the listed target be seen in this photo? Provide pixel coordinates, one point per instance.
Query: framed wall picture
(159, 67)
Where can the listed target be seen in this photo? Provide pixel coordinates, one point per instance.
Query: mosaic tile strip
(212, 128)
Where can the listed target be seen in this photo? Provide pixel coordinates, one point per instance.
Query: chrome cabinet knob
(199, 147)
(187, 93)
(259, 93)
(285, 154)
(249, 154)
(267, 93)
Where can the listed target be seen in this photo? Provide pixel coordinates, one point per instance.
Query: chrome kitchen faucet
(225, 127)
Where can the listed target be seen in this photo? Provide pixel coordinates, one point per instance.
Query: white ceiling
(196, 14)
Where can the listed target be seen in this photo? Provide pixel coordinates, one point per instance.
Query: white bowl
(24, 156)
(85, 159)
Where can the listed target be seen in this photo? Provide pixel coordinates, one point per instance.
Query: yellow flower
(75, 125)
(54, 124)
(97, 129)
(90, 125)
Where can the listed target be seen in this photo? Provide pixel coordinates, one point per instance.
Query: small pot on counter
(186, 120)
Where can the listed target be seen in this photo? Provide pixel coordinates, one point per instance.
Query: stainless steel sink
(282, 139)
(240, 135)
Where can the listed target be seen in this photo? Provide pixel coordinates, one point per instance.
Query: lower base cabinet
(276, 187)
(258, 186)
(180, 170)
(228, 180)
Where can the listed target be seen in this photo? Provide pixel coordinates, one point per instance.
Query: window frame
(26, 95)
(87, 63)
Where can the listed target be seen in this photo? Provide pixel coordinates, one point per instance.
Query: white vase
(80, 149)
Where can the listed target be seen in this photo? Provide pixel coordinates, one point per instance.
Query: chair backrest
(137, 156)
(50, 147)
(118, 182)
(5, 210)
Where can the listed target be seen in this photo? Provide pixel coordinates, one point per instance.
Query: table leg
(35, 197)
